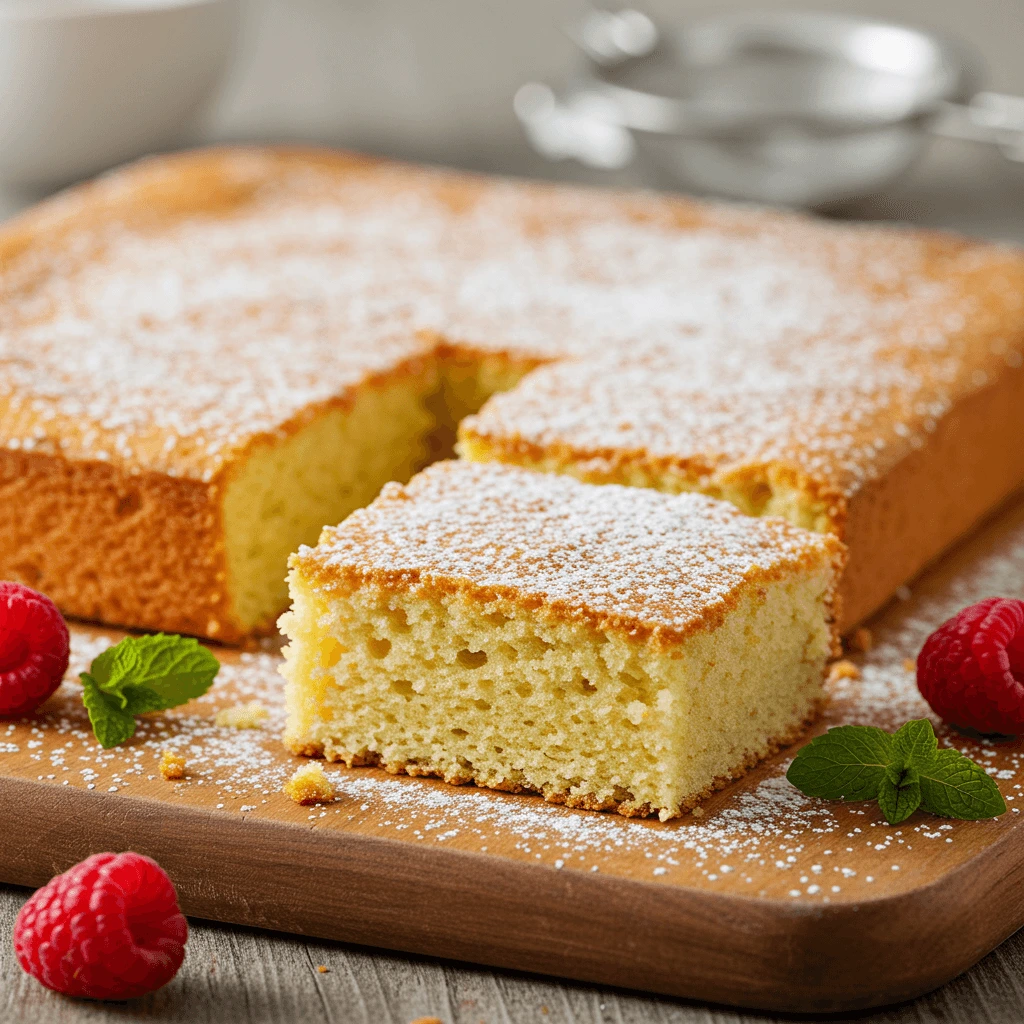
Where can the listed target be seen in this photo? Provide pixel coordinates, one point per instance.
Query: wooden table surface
(233, 975)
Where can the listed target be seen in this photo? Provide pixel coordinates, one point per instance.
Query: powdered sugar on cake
(631, 557)
(165, 343)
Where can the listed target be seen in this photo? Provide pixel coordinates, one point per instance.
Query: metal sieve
(791, 108)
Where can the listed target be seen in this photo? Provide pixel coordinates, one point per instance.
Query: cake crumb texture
(309, 785)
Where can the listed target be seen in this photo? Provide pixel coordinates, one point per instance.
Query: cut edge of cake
(383, 428)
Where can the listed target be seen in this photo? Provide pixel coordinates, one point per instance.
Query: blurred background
(434, 80)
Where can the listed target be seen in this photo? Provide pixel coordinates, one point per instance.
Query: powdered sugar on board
(758, 837)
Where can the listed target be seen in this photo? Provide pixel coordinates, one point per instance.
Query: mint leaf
(143, 674)
(898, 799)
(100, 667)
(904, 772)
(111, 723)
(848, 762)
(175, 667)
(955, 787)
(914, 745)
(138, 700)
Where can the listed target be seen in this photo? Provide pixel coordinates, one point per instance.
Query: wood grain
(825, 908)
(234, 975)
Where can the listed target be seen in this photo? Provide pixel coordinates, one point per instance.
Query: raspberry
(34, 648)
(109, 928)
(971, 669)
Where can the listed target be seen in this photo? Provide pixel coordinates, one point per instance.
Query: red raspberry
(109, 928)
(971, 669)
(34, 648)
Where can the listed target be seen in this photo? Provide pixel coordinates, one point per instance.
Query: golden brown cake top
(165, 315)
(828, 353)
(826, 418)
(619, 557)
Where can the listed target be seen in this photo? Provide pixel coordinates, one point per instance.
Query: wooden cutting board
(767, 899)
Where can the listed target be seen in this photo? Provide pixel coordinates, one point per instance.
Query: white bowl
(85, 84)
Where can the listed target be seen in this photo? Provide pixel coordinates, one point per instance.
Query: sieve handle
(574, 126)
(991, 117)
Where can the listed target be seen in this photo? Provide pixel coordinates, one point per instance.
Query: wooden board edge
(442, 902)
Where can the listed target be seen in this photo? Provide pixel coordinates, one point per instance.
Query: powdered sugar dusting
(165, 340)
(626, 554)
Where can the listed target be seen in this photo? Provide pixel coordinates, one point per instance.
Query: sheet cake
(207, 357)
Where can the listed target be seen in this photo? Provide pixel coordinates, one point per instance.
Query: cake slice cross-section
(607, 647)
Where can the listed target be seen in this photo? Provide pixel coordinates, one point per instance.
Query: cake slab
(767, 899)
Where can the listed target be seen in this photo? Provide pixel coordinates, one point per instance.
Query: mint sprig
(143, 674)
(902, 772)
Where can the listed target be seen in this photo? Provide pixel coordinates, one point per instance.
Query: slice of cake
(608, 647)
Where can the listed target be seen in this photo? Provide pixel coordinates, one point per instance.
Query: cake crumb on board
(172, 765)
(310, 785)
(843, 670)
